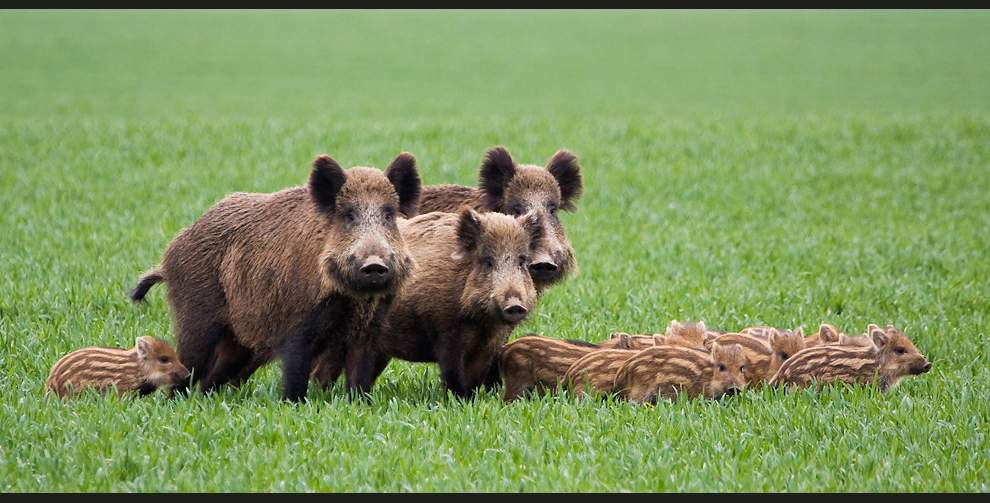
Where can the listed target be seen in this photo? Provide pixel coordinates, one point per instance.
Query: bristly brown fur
(471, 289)
(287, 275)
(150, 364)
(513, 189)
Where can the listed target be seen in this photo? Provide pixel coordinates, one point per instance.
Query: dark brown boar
(594, 373)
(765, 356)
(516, 189)
(470, 290)
(150, 364)
(537, 363)
(670, 371)
(291, 274)
(890, 358)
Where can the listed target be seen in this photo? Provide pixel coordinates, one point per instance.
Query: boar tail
(148, 280)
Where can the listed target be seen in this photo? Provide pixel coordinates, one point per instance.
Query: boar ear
(564, 167)
(716, 349)
(773, 335)
(532, 223)
(827, 334)
(626, 340)
(325, 182)
(799, 331)
(659, 340)
(404, 176)
(143, 345)
(469, 229)
(878, 335)
(496, 171)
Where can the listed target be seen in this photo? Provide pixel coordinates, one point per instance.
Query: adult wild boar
(287, 275)
(470, 290)
(516, 189)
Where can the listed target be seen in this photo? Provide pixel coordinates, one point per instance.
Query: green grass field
(788, 168)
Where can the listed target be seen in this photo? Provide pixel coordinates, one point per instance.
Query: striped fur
(594, 373)
(151, 363)
(670, 371)
(890, 358)
(622, 340)
(537, 363)
(765, 356)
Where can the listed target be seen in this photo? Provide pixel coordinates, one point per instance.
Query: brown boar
(150, 364)
(765, 356)
(537, 363)
(594, 373)
(669, 371)
(299, 272)
(890, 358)
(470, 290)
(516, 189)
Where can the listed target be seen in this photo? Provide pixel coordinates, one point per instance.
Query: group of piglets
(360, 266)
(345, 273)
(692, 360)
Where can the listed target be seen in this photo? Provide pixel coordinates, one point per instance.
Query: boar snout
(374, 271)
(514, 312)
(543, 270)
(921, 369)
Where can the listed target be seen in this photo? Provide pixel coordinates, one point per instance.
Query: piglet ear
(143, 345)
(827, 334)
(404, 176)
(496, 171)
(469, 229)
(565, 168)
(325, 182)
(878, 336)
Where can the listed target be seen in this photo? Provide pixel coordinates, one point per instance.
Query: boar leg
(297, 362)
(327, 367)
(229, 360)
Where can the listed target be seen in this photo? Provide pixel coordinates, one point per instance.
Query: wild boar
(670, 371)
(516, 189)
(150, 364)
(537, 363)
(299, 272)
(470, 290)
(890, 358)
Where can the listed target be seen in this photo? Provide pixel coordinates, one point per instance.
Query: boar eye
(517, 211)
(900, 350)
(389, 214)
(487, 263)
(721, 368)
(784, 355)
(553, 209)
(163, 359)
(349, 216)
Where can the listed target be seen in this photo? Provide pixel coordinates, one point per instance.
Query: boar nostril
(374, 271)
(927, 367)
(542, 270)
(514, 313)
